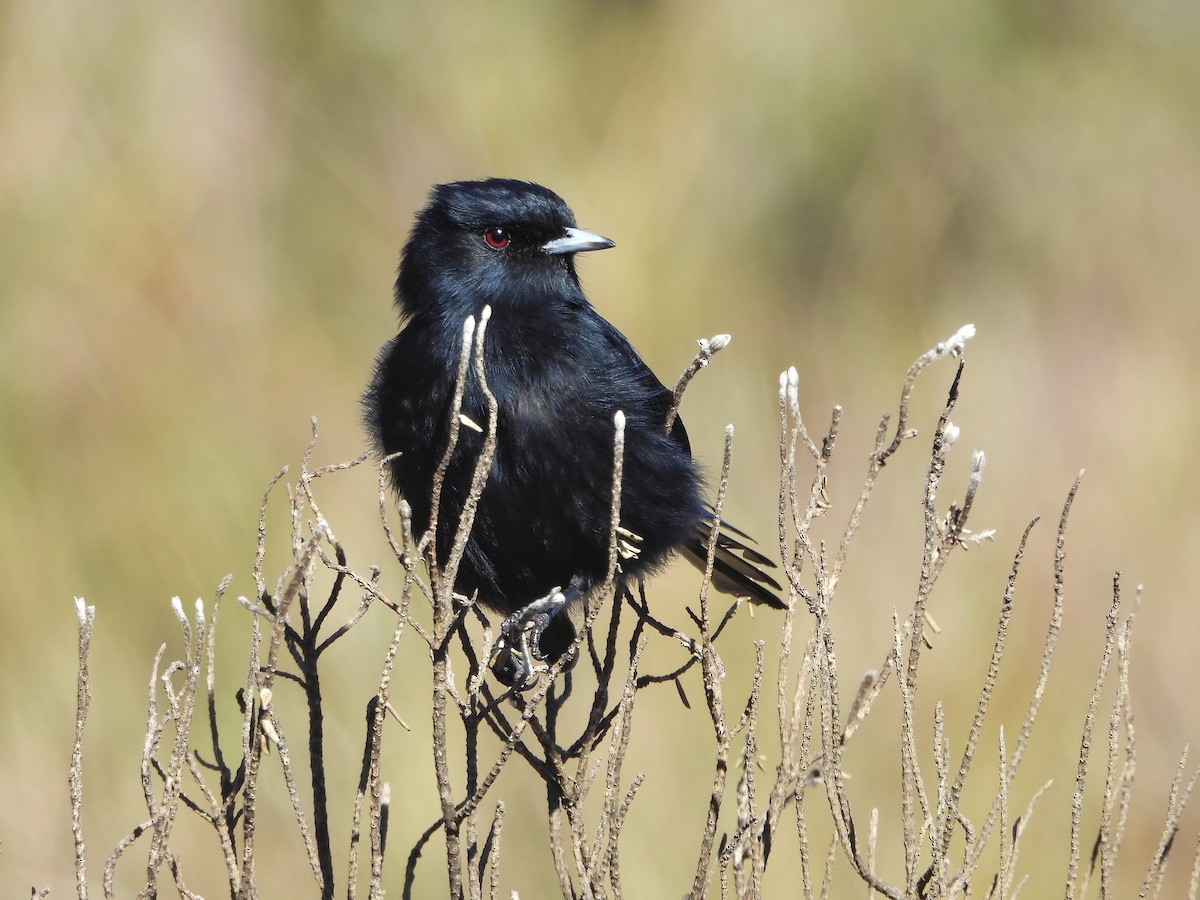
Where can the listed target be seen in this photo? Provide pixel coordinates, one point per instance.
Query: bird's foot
(518, 649)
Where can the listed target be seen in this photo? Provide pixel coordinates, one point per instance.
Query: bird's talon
(519, 644)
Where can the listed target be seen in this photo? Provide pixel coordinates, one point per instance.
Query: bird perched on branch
(559, 373)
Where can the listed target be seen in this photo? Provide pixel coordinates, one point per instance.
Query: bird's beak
(576, 240)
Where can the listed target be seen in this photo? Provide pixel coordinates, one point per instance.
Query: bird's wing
(737, 567)
(636, 370)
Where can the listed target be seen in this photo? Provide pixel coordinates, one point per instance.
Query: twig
(708, 349)
(83, 700)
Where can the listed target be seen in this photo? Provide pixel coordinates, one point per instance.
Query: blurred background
(201, 207)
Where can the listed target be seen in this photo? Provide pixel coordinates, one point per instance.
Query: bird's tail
(737, 567)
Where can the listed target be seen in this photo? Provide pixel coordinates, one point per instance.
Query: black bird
(559, 372)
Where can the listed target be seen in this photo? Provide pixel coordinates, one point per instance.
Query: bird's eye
(496, 238)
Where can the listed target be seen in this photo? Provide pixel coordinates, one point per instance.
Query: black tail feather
(736, 566)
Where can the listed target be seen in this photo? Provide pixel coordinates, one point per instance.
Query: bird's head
(500, 242)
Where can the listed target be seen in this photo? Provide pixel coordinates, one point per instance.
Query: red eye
(496, 238)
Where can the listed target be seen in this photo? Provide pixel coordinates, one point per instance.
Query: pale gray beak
(577, 241)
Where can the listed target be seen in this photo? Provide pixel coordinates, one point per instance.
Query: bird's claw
(519, 644)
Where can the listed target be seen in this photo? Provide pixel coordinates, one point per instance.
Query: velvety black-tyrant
(559, 372)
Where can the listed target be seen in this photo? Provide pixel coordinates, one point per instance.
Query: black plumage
(559, 372)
